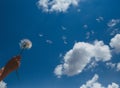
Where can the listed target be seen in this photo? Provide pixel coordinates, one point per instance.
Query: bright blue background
(21, 19)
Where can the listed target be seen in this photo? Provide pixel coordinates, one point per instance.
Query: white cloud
(43, 4)
(93, 83)
(3, 84)
(101, 51)
(76, 59)
(56, 5)
(113, 22)
(118, 67)
(115, 43)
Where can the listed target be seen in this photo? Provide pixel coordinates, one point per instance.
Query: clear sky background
(54, 28)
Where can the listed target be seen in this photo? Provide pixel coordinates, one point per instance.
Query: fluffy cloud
(113, 22)
(76, 59)
(56, 5)
(93, 83)
(115, 43)
(3, 84)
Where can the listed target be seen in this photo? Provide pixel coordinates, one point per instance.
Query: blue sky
(88, 27)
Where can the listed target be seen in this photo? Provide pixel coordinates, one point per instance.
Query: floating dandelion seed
(25, 44)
